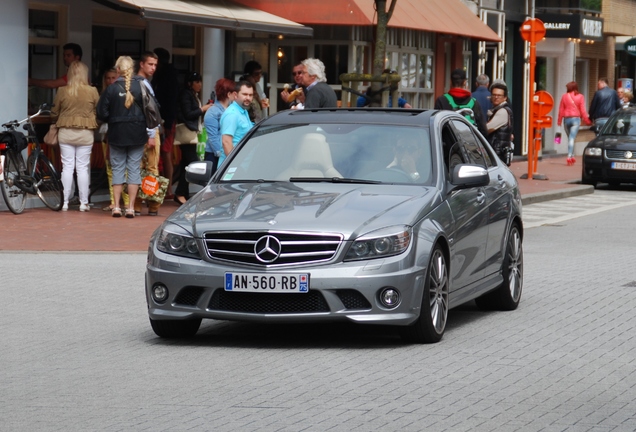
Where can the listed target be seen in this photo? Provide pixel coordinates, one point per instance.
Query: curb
(534, 198)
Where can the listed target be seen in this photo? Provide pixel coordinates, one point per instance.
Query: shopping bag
(153, 188)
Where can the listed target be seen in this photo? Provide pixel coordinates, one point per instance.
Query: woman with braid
(120, 106)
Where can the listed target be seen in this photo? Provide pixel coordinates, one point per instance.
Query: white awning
(223, 14)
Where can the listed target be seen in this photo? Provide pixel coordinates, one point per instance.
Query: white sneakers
(82, 208)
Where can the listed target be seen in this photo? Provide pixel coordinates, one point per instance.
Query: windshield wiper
(331, 180)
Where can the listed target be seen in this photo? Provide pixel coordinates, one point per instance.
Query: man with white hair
(318, 94)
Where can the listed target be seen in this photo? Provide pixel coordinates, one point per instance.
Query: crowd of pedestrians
(130, 147)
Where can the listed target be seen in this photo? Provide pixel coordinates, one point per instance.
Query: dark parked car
(611, 156)
(374, 216)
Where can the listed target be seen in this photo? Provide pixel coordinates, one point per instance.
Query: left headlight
(176, 241)
(593, 151)
(382, 243)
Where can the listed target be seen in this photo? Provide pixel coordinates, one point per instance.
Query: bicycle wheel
(14, 197)
(47, 182)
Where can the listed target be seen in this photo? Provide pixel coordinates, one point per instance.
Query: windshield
(334, 152)
(621, 123)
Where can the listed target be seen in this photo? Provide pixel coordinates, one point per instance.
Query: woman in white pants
(74, 114)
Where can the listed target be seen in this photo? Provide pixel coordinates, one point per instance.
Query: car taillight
(3, 146)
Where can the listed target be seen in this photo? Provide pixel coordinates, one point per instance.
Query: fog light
(390, 298)
(160, 293)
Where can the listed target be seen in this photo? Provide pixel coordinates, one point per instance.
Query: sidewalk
(40, 229)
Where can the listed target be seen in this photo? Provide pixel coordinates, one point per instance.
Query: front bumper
(600, 170)
(337, 292)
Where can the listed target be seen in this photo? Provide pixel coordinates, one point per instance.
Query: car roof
(385, 116)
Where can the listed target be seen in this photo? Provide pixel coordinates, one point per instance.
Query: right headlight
(176, 241)
(381, 243)
(593, 151)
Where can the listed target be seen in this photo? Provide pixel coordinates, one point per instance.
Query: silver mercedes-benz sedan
(375, 216)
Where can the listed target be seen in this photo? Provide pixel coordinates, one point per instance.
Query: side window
(473, 148)
(451, 148)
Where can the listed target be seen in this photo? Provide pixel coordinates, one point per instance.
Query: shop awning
(222, 14)
(438, 16)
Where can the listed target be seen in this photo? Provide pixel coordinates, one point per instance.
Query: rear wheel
(47, 183)
(430, 326)
(175, 328)
(14, 197)
(507, 296)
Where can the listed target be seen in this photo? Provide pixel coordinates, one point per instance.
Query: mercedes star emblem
(267, 249)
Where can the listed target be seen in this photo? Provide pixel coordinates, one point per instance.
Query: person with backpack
(458, 97)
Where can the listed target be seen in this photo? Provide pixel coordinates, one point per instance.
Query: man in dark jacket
(461, 99)
(166, 87)
(500, 123)
(604, 103)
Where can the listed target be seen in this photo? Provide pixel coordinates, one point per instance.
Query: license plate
(267, 283)
(624, 166)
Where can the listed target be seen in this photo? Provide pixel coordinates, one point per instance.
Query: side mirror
(466, 176)
(199, 172)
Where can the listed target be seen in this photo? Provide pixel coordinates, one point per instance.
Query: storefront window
(337, 57)
(43, 24)
(409, 70)
(426, 71)
(183, 36)
(45, 60)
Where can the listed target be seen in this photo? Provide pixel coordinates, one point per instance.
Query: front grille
(620, 155)
(188, 296)
(352, 299)
(272, 303)
(274, 248)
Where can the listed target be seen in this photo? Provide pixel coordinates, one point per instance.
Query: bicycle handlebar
(15, 123)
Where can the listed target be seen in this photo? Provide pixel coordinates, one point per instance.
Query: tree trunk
(380, 47)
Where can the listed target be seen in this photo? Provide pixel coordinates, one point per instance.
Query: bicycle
(37, 177)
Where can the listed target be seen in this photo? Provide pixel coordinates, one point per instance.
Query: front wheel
(507, 296)
(47, 182)
(14, 197)
(170, 329)
(430, 326)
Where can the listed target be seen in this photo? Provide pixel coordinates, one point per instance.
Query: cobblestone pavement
(78, 353)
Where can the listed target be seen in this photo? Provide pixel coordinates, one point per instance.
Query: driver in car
(407, 151)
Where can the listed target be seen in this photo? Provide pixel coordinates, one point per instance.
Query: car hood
(616, 142)
(349, 209)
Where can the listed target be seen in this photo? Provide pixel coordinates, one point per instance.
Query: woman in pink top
(571, 111)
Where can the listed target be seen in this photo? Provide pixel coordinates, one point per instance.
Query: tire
(508, 295)
(174, 329)
(14, 197)
(431, 324)
(48, 183)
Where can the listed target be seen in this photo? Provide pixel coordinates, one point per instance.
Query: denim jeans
(571, 125)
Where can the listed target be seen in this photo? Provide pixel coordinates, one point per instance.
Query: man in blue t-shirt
(235, 121)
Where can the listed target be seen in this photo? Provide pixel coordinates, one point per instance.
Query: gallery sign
(630, 46)
(572, 26)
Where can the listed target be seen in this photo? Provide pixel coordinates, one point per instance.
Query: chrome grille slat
(618, 155)
(295, 247)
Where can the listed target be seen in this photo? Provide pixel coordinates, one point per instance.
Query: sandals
(109, 207)
(178, 199)
(130, 213)
(116, 212)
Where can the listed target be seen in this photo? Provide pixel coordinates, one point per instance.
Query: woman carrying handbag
(189, 116)
(571, 111)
